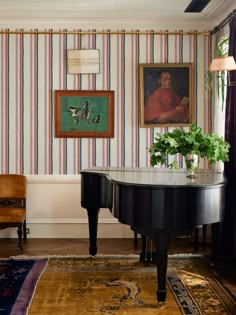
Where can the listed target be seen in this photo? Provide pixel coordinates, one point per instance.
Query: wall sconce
(83, 61)
(224, 64)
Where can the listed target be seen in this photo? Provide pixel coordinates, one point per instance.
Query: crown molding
(99, 23)
(71, 15)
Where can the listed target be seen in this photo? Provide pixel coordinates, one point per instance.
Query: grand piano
(156, 202)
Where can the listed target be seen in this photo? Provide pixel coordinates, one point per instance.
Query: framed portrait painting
(166, 95)
(84, 114)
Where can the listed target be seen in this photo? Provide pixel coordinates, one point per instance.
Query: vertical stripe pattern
(33, 66)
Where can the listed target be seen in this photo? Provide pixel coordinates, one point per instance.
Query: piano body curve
(158, 203)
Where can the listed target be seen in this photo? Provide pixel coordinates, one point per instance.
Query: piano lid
(154, 176)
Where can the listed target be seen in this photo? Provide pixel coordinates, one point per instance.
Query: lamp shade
(223, 64)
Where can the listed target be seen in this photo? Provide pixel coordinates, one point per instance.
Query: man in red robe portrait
(164, 105)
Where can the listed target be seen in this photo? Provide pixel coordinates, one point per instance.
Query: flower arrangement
(210, 146)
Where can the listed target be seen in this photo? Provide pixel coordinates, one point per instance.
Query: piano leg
(162, 246)
(216, 242)
(93, 227)
(143, 254)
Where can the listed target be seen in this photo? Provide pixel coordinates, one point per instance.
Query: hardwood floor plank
(47, 247)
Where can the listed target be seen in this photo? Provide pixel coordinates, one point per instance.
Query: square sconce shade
(223, 64)
(83, 61)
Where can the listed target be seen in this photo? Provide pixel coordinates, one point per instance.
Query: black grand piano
(156, 202)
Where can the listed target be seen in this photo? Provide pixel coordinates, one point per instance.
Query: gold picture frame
(166, 94)
(84, 114)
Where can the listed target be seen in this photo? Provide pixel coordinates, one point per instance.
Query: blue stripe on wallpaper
(51, 106)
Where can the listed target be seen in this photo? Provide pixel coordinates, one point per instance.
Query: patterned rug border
(186, 292)
(26, 293)
(176, 282)
(100, 256)
(218, 278)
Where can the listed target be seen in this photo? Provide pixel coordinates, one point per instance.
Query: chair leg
(19, 232)
(24, 230)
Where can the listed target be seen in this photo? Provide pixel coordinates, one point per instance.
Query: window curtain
(219, 108)
(229, 224)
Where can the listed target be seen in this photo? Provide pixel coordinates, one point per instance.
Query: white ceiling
(110, 13)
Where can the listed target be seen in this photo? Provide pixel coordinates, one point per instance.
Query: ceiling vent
(197, 5)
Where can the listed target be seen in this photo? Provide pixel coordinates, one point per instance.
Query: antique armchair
(13, 204)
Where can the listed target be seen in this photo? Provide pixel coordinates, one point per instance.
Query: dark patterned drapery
(229, 226)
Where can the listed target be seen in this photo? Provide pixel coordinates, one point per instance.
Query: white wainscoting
(54, 211)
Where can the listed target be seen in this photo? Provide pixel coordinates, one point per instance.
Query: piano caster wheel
(161, 295)
(142, 257)
(148, 257)
(92, 256)
(160, 303)
(92, 251)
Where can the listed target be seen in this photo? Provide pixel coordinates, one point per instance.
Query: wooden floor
(47, 247)
(66, 246)
(106, 246)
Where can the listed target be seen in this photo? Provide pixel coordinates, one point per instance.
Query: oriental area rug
(119, 285)
(18, 278)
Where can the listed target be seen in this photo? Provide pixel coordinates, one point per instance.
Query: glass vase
(192, 164)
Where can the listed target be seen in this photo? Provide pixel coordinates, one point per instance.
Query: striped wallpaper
(32, 66)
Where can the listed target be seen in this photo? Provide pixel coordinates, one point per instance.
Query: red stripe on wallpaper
(48, 103)
(20, 103)
(78, 141)
(64, 87)
(135, 100)
(106, 86)
(35, 104)
(76, 85)
(180, 57)
(193, 60)
(208, 109)
(92, 45)
(165, 57)
(106, 77)
(149, 59)
(107, 62)
(150, 38)
(122, 37)
(6, 102)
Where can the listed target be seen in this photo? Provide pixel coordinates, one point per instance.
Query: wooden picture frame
(84, 114)
(166, 94)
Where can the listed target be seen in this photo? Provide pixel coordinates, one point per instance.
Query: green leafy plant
(218, 77)
(210, 146)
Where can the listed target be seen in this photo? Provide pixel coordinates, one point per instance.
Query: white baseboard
(54, 211)
(71, 230)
